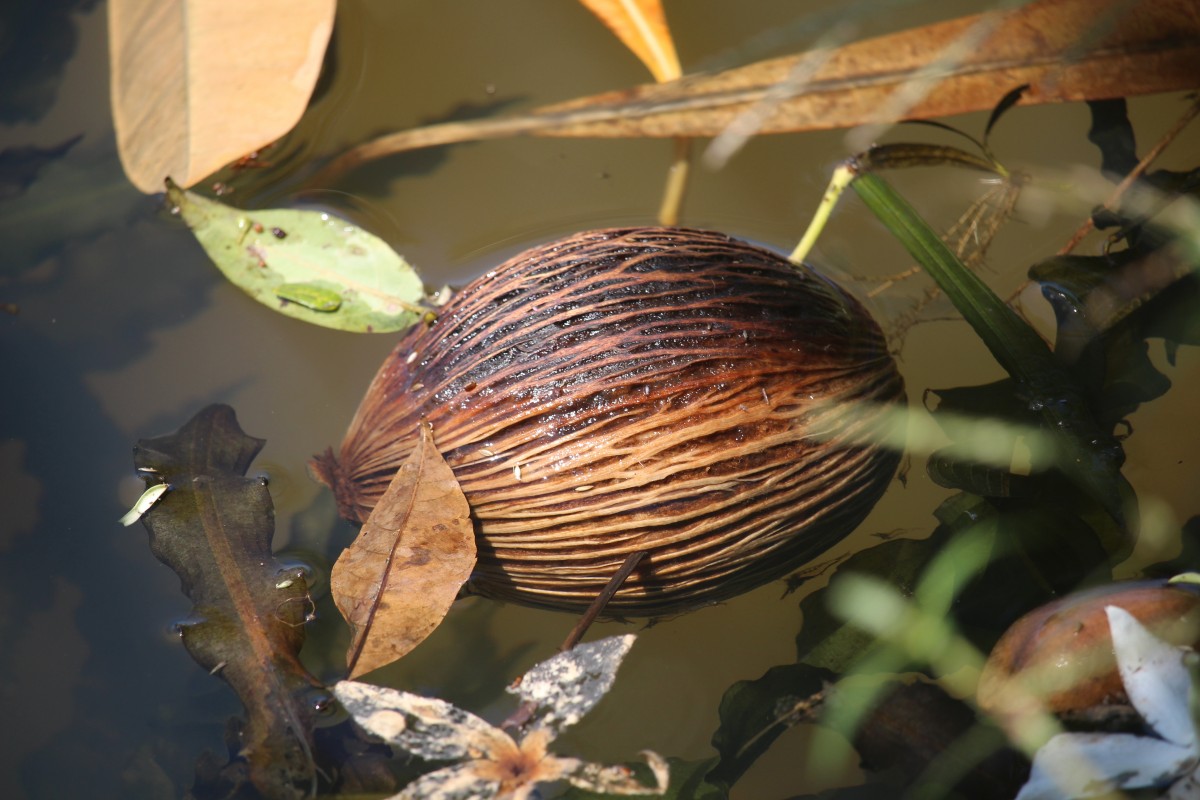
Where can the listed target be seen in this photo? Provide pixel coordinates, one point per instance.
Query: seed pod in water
(666, 390)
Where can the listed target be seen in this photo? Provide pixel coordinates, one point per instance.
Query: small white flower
(488, 763)
(1082, 765)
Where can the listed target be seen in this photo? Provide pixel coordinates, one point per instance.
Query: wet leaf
(564, 688)
(306, 264)
(755, 713)
(1112, 133)
(642, 26)
(214, 529)
(396, 582)
(1066, 50)
(197, 84)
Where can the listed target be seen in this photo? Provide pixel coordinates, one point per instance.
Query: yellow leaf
(398, 579)
(197, 84)
(642, 26)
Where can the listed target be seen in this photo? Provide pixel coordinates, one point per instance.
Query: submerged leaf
(396, 582)
(564, 688)
(306, 264)
(197, 84)
(1066, 50)
(642, 26)
(214, 530)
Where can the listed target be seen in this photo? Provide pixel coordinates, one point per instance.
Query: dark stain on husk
(660, 389)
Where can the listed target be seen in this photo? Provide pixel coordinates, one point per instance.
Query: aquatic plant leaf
(396, 582)
(565, 687)
(1089, 456)
(214, 529)
(642, 26)
(755, 713)
(1067, 50)
(198, 84)
(306, 264)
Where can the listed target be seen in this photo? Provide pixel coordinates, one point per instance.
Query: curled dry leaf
(642, 26)
(199, 83)
(1066, 50)
(396, 582)
(306, 264)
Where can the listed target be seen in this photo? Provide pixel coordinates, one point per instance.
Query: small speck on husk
(691, 381)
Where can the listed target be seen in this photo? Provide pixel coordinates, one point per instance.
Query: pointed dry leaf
(308, 265)
(396, 582)
(1066, 50)
(642, 26)
(199, 83)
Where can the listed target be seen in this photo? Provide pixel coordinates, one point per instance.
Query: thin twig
(597, 606)
(525, 711)
(1133, 176)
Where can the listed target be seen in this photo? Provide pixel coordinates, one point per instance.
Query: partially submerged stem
(1089, 456)
(842, 177)
(887, 156)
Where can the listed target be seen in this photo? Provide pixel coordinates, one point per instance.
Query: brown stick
(525, 711)
(1133, 175)
(597, 606)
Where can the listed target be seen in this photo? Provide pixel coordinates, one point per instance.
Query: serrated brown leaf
(214, 529)
(199, 83)
(396, 582)
(641, 26)
(1066, 50)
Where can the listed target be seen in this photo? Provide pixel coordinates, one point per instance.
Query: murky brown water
(125, 330)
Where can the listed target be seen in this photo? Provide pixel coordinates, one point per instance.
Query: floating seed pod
(1061, 654)
(666, 390)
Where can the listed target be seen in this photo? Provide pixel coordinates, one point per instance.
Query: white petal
(617, 780)
(1155, 677)
(452, 783)
(565, 687)
(1186, 788)
(424, 726)
(1079, 765)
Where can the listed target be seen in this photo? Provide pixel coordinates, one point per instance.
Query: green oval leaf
(306, 264)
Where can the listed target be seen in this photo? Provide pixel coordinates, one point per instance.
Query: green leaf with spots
(307, 264)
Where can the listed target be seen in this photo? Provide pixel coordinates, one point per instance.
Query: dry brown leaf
(396, 582)
(642, 26)
(1066, 50)
(197, 84)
